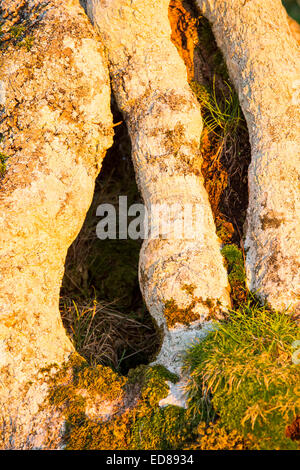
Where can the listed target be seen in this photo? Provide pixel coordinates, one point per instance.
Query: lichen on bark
(55, 127)
(266, 54)
(164, 123)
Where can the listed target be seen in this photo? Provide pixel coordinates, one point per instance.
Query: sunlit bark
(263, 61)
(164, 121)
(55, 125)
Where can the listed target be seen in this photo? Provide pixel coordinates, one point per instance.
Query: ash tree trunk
(262, 56)
(56, 124)
(149, 79)
(55, 127)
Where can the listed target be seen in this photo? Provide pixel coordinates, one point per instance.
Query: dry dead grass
(103, 335)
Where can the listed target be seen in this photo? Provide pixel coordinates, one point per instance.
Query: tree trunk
(182, 280)
(55, 127)
(263, 61)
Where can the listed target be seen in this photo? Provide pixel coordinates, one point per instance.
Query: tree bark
(55, 127)
(263, 61)
(164, 122)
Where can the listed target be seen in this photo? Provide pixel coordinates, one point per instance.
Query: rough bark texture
(263, 60)
(164, 121)
(55, 127)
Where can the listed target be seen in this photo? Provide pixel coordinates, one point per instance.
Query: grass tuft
(236, 273)
(245, 372)
(221, 109)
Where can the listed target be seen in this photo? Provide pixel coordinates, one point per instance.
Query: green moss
(235, 261)
(3, 160)
(215, 437)
(154, 427)
(245, 368)
(161, 428)
(100, 380)
(27, 43)
(19, 36)
(17, 31)
(157, 372)
(236, 273)
(144, 425)
(96, 380)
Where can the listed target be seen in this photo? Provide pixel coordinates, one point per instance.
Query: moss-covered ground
(243, 392)
(138, 423)
(245, 373)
